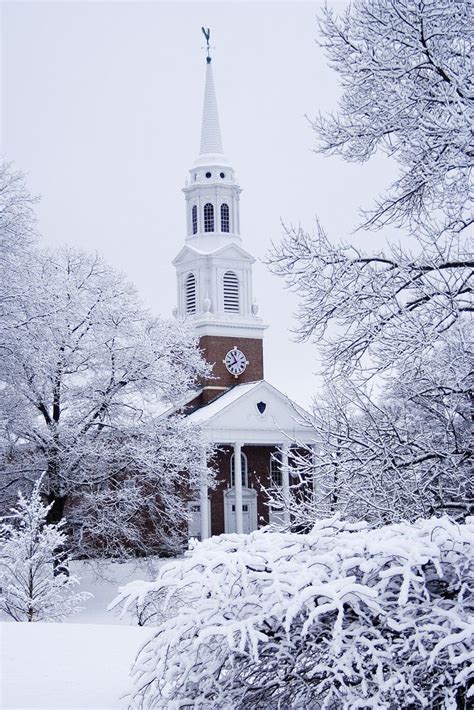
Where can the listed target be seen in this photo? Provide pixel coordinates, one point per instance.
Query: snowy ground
(82, 663)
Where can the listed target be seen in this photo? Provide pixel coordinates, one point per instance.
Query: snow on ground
(103, 580)
(82, 663)
(67, 665)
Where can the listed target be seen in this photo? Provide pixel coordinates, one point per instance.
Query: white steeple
(214, 272)
(211, 141)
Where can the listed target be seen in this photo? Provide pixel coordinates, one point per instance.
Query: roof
(217, 405)
(238, 415)
(211, 141)
(222, 247)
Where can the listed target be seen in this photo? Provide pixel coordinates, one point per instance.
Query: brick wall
(215, 349)
(258, 462)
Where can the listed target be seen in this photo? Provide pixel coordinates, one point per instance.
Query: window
(243, 463)
(231, 292)
(275, 470)
(190, 293)
(225, 218)
(195, 219)
(208, 217)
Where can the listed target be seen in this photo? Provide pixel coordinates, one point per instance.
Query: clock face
(235, 361)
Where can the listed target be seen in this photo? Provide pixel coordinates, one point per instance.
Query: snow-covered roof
(217, 246)
(236, 416)
(217, 405)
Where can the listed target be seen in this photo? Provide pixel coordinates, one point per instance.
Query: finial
(207, 33)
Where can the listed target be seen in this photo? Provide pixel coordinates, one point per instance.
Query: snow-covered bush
(34, 581)
(342, 617)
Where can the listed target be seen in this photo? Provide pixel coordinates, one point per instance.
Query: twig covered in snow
(342, 617)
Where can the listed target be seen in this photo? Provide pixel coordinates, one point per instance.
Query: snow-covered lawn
(82, 663)
(67, 665)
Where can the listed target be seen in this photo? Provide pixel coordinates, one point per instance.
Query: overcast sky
(101, 107)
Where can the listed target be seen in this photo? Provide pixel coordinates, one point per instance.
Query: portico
(252, 443)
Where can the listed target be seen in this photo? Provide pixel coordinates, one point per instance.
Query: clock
(235, 361)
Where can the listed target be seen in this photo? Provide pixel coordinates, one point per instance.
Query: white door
(194, 525)
(245, 519)
(249, 510)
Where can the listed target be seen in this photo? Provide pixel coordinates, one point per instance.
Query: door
(245, 519)
(249, 510)
(194, 524)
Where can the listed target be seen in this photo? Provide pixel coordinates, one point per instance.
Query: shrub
(342, 617)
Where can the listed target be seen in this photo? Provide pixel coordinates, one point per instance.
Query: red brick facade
(216, 347)
(258, 465)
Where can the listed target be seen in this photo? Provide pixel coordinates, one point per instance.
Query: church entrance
(249, 510)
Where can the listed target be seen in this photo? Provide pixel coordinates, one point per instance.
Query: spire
(211, 141)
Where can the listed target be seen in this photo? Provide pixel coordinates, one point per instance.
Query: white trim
(233, 330)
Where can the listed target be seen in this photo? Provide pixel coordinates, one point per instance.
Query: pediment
(257, 407)
(226, 251)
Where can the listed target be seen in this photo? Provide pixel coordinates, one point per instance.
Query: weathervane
(207, 33)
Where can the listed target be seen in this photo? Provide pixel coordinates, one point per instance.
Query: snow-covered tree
(17, 217)
(392, 455)
(17, 236)
(400, 313)
(407, 90)
(406, 74)
(85, 372)
(35, 584)
(342, 617)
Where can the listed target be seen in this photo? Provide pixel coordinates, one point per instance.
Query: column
(203, 497)
(314, 478)
(239, 523)
(285, 483)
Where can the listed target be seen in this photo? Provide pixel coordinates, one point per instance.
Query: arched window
(195, 219)
(231, 292)
(275, 469)
(190, 293)
(243, 463)
(208, 217)
(225, 223)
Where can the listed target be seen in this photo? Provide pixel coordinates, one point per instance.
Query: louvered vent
(231, 292)
(190, 293)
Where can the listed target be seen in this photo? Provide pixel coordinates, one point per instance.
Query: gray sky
(101, 107)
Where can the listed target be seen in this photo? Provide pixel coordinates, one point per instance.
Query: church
(250, 422)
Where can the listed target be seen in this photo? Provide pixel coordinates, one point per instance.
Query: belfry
(214, 271)
(251, 423)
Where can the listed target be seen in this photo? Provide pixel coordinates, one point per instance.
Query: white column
(314, 480)
(285, 483)
(239, 523)
(203, 497)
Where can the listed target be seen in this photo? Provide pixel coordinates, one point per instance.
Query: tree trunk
(55, 515)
